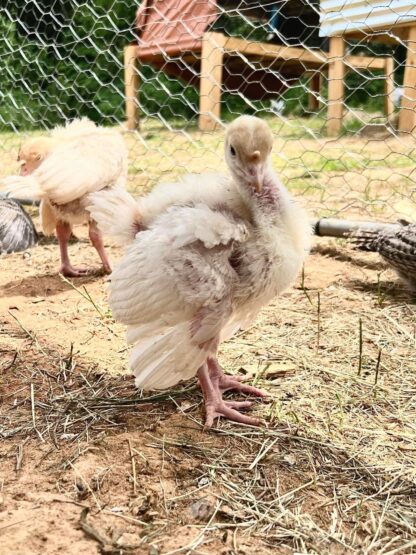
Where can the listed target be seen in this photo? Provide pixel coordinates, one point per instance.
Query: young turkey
(61, 170)
(396, 246)
(205, 257)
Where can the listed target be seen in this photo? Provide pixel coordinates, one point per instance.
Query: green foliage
(64, 59)
(365, 89)
(235, 26)
(78, 71)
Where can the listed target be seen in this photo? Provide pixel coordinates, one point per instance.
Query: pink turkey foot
(102, 271)
(228, 383)
(215, 406)
(106, 269)
(68, 270)
(63, 233)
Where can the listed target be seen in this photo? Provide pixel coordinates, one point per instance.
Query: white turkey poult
(205, 257)
(61, 170)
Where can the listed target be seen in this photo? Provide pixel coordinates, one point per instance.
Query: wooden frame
(339, 65)
(315, 85)
(389, 89)
(131, 84)
(336, 85)
(402, 32)
(216, 47)
(212, 57)
(407, 118)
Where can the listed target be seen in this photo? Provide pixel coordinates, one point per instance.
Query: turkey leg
(63, 233)
(97, 241)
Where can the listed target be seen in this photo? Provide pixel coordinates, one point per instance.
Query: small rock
(202, 510)
(290, 459)
(68, 436)
(269, 370)
(118, 509)
(82, 490)
(275, 369)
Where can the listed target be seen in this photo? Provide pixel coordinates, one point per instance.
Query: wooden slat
(389, 89)
(314, 91)
(365, 62)
(407, 118)
(131, 83)
(393, 35)
(212, 56)
(273, 51)
(336, 74)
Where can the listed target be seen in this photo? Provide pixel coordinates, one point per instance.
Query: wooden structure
(386, 22)
(174, 38)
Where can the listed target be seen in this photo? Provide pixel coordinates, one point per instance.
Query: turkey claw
(227, 409)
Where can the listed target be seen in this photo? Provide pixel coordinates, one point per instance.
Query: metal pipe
(332, 227)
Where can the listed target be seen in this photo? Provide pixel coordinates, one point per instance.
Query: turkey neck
(267, 205)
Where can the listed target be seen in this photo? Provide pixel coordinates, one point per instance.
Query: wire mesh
(336, 84)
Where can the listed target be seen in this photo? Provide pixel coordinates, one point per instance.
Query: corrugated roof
(343, 16)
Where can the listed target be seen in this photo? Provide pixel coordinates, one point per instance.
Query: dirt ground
(88, 466)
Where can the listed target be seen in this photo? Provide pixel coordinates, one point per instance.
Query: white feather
(210, 189)
(212, 254)
(83, 158)
(119, 215)
(83, 165)
(162, 360)
(20, 187)
(156, 290)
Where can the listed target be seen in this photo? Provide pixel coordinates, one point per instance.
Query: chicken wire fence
(336, 82)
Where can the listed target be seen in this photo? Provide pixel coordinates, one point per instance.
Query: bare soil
(90, 466)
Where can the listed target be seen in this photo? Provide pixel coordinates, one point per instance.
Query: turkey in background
(17, 232)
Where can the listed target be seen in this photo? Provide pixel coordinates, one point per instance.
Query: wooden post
(336, 85)
(407, 117)
(131, 83)
(389, 89)
(314, 91)
(212, 57)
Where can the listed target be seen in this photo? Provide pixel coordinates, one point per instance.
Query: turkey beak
(256, 171)
(23, 168)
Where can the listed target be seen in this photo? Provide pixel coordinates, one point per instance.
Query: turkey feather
(204, 256)
(121, 216)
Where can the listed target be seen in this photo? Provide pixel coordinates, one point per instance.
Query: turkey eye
(232, 150)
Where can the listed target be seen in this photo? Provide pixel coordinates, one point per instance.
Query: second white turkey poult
(205, 256)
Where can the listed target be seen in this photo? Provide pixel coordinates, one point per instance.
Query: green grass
(351, 175)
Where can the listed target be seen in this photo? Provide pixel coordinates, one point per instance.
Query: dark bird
(17, 232)
(397, 246)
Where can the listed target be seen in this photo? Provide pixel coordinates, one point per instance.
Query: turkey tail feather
(365, 239)
(23, 187)
(117, 214)
(161, 361)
